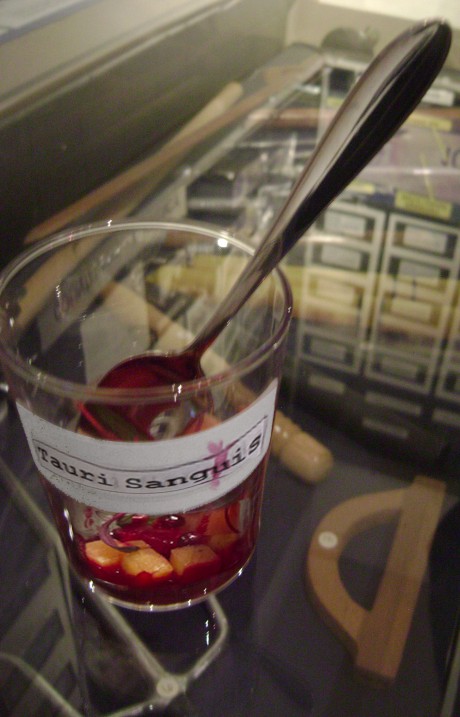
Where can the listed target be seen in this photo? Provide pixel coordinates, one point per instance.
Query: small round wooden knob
(298, 451)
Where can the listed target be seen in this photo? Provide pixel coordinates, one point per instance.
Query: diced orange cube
(102, 554)
(194, 562)
(209, 421)
(222, 542)
(137, 543)
(217, 522)
(207, 522)
(235, 515)
(201, 423)
(195, 522)
(146, 560)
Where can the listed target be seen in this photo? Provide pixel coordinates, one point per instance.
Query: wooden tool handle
(298, 451)
(376, 637)
(216, 107)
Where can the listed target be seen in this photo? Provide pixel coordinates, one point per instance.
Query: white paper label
(161, 477)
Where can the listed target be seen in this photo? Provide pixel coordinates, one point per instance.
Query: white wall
(48, 55)
(33, 60)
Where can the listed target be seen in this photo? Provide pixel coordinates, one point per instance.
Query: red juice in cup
(170, 559)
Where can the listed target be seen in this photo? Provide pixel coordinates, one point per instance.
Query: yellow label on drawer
(363, 187)
(420, 204)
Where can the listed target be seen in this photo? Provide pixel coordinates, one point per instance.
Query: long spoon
(381, 100)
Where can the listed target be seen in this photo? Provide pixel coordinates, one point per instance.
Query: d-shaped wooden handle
(376, 637)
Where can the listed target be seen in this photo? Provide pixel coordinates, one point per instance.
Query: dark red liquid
(218, 543)
(157, 560)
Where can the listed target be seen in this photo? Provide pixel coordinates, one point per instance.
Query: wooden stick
(39, 285)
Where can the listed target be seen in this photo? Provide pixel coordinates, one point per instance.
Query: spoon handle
(374, 109)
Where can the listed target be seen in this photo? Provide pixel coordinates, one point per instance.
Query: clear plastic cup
(156, 490)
